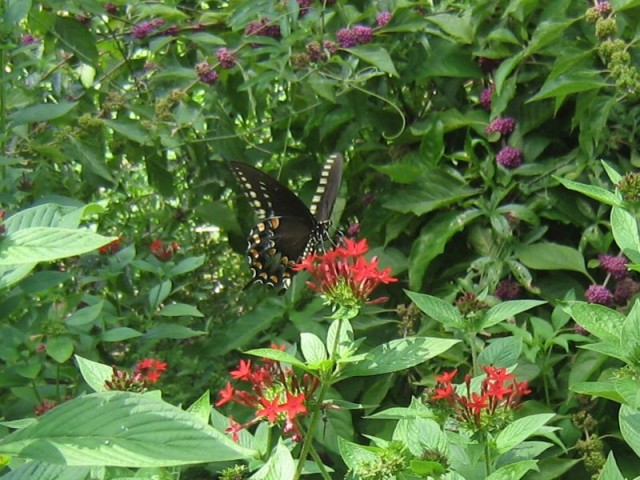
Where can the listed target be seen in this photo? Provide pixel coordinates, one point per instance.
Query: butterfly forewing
(288, 230)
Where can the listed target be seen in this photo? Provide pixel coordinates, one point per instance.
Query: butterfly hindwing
(287, 229)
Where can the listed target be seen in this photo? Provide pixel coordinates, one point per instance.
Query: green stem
(307, 446)
(487, 456)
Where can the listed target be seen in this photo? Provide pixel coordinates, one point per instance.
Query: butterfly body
(287, 230)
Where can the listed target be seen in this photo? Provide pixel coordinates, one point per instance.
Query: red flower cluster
(146, 372)
(344, 276)
(491, 408)
(111, 247)
(163, 252)
(276, 394)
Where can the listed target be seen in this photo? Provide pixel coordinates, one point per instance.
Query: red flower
(243, 372)
(111, 247)
(271, 409)
(163, 252)
(447, 377)
(150, 369)
(233, 428)
(226, 395)
(344, 276)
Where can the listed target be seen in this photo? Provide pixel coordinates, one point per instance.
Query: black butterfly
(287, 230)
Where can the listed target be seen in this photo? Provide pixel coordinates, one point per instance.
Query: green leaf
(130, 129)
(624, 227)
(119, 334)
(603, 322)
(187, 265)
(280, 466)
(201, 408)
(598, 389)
(501, 352)
(438, 309)
(159, 294)
(11, 274)
(597, 193)
(77, 39)
(513, 471)
(551, 256)
(376, 56)
(180, 310)
(42, 281)
(458, 27)
(519, 430)
(432, 240)
(398, 355)
(569, 83)
(59, 348)
(45, 244)
(41, 113)
(14, 12)
(94, 373)
(312, 348)
(277, 355)
(502, 311)
(172, 330)
(610, 471)
(84, 316)
(629, 420)
(46, 471)
(121, 429)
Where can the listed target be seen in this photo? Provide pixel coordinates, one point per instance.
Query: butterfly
(287, 230)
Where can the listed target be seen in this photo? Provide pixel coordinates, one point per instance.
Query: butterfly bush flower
(226, 57)
(502, 125)
(143, 29)
(383, 18)
(111, 8)
(344, 276)
(488, 65)
(598, 294)
(490, 408)
(29, 39)
(264, 28)
(146, 372)
(508, 290)
(277, 395)
(625, 289)
(305, 6)
(509, 157)
(358, 35)
(162, 251)
(616, 266)
(485, 97)
(206, 73)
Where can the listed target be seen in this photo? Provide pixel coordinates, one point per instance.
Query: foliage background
(90, 114)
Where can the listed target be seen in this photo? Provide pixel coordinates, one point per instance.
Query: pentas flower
(502, 125)
(111, 247)
(489, 409)
(277, 395)
(44, 406)
(616, 266)
(145, 373)
(598, 294)
(162, 251)
(509, 157)
(344, 276)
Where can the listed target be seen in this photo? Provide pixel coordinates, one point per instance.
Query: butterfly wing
(328, 187)
(282, 236)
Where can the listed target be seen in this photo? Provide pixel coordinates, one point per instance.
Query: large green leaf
(41, 113)
(504, 310)
(519, 430)
(121, 429)
(77, 39)
(45, 244)
(551, 256)
(398, 355)
(624, 227)
(440, 310)
(603, 322)
(376, 56)
(629, 419)
(598, 193)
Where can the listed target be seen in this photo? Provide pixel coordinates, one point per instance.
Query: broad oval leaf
(41, 113)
